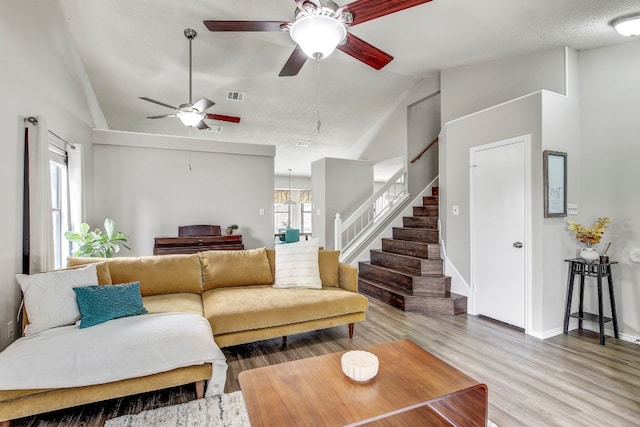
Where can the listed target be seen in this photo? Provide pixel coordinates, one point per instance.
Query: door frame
(526, 140)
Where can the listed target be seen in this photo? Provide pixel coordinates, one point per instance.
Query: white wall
(338, 186)
(610, 94)
(553, 121)
(152, 184)
(475, 87)
(423, 118)
(39, 75)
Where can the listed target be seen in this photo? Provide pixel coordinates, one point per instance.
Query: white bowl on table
(360, 365)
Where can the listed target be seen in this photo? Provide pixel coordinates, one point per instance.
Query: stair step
(425, 211)
(449, 303)
(410, 264)
(435, 285)
(429, 200)
(420, 222)
(434, 191)
(423, 235)
(385, 275)
(382, 293)
(416, 249)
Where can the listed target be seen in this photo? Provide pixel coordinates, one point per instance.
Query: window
(281, 216)
(59, 203)
(306, 214)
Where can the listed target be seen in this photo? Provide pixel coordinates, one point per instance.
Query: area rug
(224, 410)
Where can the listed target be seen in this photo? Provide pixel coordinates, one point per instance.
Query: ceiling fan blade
(161, 117)
(202, 104)
(158, 102)
(363, 51)
(244, 25)
(366, 10)
(202, 125)
(223, 118)
(294, 63)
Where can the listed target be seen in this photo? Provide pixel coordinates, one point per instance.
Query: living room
(593, 119)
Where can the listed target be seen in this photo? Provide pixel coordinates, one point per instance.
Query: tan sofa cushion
(157, 275)
(102, 268)
(172, 303)
(235, 268)
(256, 307)
(328, 261)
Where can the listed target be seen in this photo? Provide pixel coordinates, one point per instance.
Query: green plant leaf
(96, 243)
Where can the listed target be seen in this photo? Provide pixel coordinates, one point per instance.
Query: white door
(498, 230)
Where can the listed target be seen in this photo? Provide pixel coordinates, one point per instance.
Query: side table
(584, 268)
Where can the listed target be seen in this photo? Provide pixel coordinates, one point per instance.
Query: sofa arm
(348, 277)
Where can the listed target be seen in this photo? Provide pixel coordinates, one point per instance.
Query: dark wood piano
(197, 238)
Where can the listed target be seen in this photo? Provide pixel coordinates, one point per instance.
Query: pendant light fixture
(289, 201)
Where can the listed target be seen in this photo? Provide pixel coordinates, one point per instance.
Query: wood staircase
(408, 272)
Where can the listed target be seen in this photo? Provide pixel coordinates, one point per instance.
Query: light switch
(456, 210)
(261, 211)
(572, 209)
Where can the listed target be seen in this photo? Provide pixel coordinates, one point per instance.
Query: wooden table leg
(612, 299)
(600, 315)
(567, 310)
(581, 306)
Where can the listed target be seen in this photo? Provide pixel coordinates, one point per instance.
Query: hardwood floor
(567, 380)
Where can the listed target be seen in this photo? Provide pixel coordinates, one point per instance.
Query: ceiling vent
(303, 143)
(234, 95)
(215, 128)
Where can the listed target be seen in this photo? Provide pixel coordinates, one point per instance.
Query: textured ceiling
(133, 48)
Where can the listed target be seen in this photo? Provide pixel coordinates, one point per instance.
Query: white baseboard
(590, 326)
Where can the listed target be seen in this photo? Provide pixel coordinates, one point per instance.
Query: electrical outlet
(572, 209)
(10, 330)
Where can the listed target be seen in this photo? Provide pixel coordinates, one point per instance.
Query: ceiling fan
(192, 114)
(320, 26)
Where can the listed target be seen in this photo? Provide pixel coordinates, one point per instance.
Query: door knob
(517, 245)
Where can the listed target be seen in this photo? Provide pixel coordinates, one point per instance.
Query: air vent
(233, 95)
(303, 143)
(215, 128)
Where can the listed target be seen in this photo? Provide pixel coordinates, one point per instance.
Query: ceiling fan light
(628, 26)
(190, 118)
(317, 35)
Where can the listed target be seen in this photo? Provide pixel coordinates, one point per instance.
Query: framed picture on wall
(555, 184)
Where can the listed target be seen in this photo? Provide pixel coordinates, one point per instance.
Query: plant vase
(589, 253)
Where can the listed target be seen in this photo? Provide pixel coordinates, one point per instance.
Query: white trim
(590, 326)
(458, 284)
(471, 303)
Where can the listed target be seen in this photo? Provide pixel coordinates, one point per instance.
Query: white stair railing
(352, 231)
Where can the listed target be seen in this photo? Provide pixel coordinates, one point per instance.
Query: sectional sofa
(241, 295)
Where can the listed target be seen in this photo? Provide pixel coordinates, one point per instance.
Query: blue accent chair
(292, 235)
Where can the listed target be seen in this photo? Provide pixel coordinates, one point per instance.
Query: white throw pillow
(49, 297)
(297, 265)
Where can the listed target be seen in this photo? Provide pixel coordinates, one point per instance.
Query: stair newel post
(337, 233)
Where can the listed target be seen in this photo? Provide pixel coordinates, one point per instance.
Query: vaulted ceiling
(133, 48)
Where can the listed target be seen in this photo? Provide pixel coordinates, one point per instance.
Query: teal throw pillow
(98, 304)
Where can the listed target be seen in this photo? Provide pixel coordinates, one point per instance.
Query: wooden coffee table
(413, 387)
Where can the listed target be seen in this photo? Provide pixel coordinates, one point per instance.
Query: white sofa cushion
(297, 265)
(49, 297)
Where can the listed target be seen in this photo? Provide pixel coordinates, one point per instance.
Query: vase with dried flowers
(589, 236)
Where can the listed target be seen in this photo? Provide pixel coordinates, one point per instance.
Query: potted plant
(232, 229)
(589, 236)
(97, 243)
